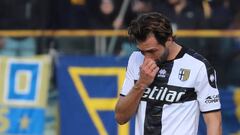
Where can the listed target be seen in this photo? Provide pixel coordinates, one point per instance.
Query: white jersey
(182, 89)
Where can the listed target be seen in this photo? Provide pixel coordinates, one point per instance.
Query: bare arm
(213, 122)
(127, 106)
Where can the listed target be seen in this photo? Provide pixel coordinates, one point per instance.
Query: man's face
(150, 48)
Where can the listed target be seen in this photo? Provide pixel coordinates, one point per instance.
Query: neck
(174, 49)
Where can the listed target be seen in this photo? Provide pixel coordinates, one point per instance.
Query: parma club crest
(184, 74)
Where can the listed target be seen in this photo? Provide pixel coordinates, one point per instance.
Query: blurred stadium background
(62, 62)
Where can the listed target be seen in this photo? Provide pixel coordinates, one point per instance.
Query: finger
(149, 66)
(145, 61)
(151, 63)
(152, 66)
(148, 62)
(155, 70)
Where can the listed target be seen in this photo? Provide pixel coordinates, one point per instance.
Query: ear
(170, 39)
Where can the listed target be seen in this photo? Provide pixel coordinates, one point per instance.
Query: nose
(147, 56)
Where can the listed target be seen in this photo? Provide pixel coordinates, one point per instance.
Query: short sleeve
(129, 77)
(207, 91)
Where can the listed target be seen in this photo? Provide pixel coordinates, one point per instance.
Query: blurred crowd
(223, 53)
(108, 14)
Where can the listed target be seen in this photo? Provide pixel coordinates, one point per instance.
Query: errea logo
(162, 73)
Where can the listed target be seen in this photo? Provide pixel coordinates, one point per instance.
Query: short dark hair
(150, 23)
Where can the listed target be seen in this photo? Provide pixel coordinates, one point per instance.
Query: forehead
(150, 42)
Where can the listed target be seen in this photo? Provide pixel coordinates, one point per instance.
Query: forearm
(214, 130)
(128, 105)
(214, 123)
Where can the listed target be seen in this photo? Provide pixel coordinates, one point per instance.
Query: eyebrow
(148, 50)
(151, 48)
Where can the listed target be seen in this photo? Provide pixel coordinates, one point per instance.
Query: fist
(148, 71)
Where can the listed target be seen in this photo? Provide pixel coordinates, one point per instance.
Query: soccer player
(167, 85)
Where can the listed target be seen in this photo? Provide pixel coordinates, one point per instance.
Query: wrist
(139, 86)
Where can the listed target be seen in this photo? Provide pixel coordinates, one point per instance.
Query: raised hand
(148, 71)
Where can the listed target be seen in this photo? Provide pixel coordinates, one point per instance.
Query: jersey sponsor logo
(184, 74)
(162, 73)
(212, 99)
(163, 94)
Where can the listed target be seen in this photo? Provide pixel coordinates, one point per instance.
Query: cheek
(159, 55)
(156, 55)
(151, 56)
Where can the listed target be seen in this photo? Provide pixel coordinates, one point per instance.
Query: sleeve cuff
(122, 95)
(216, 110)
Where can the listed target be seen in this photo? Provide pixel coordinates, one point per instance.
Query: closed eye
(151, 51)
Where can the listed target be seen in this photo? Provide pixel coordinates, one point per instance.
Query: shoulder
(198, 57)
(136, 54)
(206, 67)
(136, 57)
(134, 62)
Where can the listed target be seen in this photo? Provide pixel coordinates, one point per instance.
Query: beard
(163, 57)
